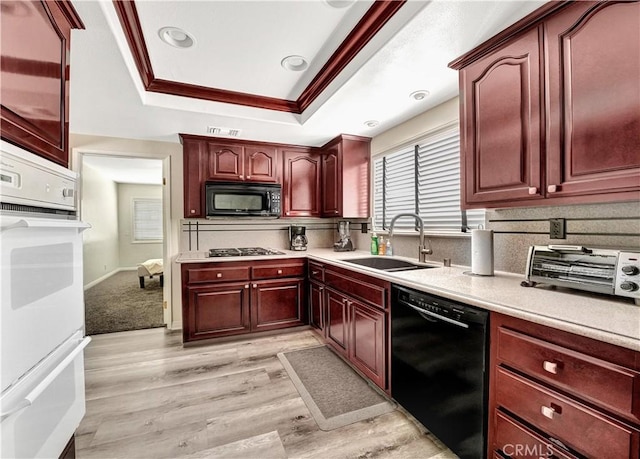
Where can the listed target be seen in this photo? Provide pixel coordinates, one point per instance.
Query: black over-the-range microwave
(224, 199)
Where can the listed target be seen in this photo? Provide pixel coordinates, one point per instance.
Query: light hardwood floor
(148, 397)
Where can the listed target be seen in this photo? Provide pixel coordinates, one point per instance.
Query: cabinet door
(35, 75)
(216, 310)
(261, 164)
(277, 304)
(193, 156)
(367, 341)
(331, 183)
(316, 303)
(593, 62)
(226, 162)
(501, 123)
(301, 183)
(337, 324)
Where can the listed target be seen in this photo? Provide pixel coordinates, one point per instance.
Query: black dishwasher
(439, 356)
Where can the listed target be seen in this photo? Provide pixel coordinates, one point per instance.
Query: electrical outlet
(557, 228)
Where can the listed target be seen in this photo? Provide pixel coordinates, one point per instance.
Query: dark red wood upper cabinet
(193, 156)
(593, 62)
(36, 39)
(345, 177)
(226, 162)
(261, 164)
(501, 121)
(550, 110)
(301, 182)
(240, 162)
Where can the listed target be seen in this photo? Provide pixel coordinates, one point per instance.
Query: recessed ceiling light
(294, 63)
(176, 37)
(371, 123)
(339, 3)
(419, 95)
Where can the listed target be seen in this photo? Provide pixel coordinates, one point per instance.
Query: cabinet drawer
(517, 441)
(596, 380)
(577, 426)
(357, 288)
(206, 275)
(276, 271)
(316, 272)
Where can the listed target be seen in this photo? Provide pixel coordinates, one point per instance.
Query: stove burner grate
(242, 252)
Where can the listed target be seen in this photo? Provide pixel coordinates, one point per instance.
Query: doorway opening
(121, 197)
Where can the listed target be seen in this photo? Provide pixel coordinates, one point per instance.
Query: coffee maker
(344, 244)
(297, 237)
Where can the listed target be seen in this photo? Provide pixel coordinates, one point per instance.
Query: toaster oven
(613, 272)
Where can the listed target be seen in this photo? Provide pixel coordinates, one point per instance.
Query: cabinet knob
(548, 411)
(552, 188)
(550, 367)
(279, 271)
(219, 275)
(255, 285)
(246, 285)
(315, 273)
(321, 288)
(288, 213)
(533, 190)
(248, 177)
(241, 177)
(193, 211)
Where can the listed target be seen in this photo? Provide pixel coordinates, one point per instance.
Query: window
(147, 220)
(423, 179)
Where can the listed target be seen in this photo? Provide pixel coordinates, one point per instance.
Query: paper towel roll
(482, 252)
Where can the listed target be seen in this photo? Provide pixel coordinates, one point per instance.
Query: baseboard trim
(107, 276)
(176, 325)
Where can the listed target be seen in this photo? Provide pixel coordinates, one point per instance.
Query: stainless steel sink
(386, 264)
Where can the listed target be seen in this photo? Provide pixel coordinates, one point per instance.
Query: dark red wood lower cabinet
(218, 310)
(367, 342)
(337, 321)
(277, 304)
(316, 307)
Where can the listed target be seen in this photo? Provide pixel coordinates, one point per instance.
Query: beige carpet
(334, 393)
(119, 304)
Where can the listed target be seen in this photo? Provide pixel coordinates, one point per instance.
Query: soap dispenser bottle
(374, 244)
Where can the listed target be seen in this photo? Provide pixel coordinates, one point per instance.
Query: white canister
(482, 252)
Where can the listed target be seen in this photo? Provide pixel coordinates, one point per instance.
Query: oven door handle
(437, 316)
(47, 223)
(31, 397)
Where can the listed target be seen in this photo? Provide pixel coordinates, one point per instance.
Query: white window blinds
(147, 220)
(436, 197)
(394, 178)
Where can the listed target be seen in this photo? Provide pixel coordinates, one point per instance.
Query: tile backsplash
(599, 225)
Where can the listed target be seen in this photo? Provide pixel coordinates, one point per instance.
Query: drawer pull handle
(315, 273)
(279, 271)
(550, 367)
(547, 411)
(533, 190)
(219, 275)
(552, 188)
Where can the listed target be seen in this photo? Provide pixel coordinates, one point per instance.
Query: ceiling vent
(213, 130)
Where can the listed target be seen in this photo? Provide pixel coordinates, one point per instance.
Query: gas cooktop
(242, 252)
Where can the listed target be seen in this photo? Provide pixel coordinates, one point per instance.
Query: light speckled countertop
(608, 319)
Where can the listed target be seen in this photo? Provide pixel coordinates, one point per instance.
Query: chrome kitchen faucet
(422, 252)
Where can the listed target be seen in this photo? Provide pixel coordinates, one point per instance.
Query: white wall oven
(42, 306)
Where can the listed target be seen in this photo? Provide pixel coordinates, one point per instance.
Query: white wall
(132, 253)
(99, 208)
